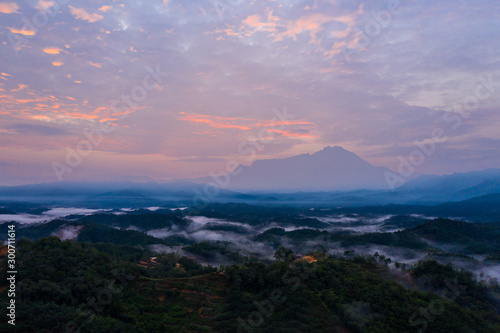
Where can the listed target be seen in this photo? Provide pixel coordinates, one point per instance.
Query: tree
(282, 254)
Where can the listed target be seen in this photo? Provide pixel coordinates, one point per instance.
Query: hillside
(177, 295)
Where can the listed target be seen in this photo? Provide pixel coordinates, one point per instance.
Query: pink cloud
(8, 7)
(82, 14)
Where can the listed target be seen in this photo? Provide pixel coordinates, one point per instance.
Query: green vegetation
(333, 294)
(119, 288)
(145, 221)
(91, 286)
(466, 238)
(94, 233)
(218, 250)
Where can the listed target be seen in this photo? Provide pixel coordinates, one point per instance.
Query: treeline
(468, 238)
(82, 287)
(65, 286)
(330, 294)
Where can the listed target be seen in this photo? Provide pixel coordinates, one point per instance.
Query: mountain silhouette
(331, 169)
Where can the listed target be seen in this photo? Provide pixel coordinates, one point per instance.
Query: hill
(107, 288)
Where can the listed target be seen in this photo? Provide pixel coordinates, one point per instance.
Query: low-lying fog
(50, 214)
(241, 237)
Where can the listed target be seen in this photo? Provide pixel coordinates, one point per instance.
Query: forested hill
(79, 287)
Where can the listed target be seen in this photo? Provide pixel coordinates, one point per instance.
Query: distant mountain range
(454, 187)
(332, 176)
(115, 194)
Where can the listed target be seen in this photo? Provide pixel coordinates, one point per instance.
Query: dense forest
(68, 286)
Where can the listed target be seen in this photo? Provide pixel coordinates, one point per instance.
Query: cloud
(42, 130)
(284, 123)
(247, 123)
(300, 132)
(313, 24)
(20, 87)
(44, 5)
(82, 14)
(22, 32)
(255, 22)
(52, 50)
(8, 7)
(202, 159)
(227, 74)
(215, 121)
(282, 28)
(105, 8)
(93, 64)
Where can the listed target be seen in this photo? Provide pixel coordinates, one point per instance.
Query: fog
(201, 228)
(49, 215)
(68, 232)
(240, 237)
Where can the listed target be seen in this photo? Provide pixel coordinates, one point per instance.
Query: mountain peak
(330, 149)
(334, 148)
(330, 169)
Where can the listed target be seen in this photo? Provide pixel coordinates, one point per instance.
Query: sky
(165, 89)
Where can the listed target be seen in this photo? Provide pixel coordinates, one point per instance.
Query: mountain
(454, 187)
(114, 194)
(485, 208)
(331, 169)
(489, 186)
(479, 208)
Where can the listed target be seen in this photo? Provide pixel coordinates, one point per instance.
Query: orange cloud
(43, 5)
(107, 119)
(294, 133)
(219, 122)
(284, 123)
(254, 21)
(81, 116)
(230, 32)
(312, 24)
(57, 63)
(22, 32)
(20, 87)
(247, 124)
(8, 7)
(82, 14)
(336, 48)
(95, 64)
(41, 117)
(105, 8)
(11, 99)
(309, 23)
(52, 50)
